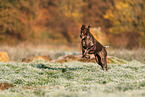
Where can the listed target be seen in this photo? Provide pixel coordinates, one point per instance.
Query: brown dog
(91, 46)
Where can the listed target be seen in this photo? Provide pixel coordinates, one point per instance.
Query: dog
(91, 46)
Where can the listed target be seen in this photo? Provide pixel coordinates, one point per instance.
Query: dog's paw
(88, 57)
(83, 56)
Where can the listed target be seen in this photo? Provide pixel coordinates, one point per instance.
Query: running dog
(91, 46)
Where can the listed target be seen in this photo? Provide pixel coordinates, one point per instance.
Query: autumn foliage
(59, 21)
(127, 22)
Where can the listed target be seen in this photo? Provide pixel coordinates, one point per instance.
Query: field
(38, 78)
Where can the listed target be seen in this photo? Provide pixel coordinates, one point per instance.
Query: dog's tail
(106, 46)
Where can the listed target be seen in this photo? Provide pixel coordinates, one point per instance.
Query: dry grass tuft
(4, 57)
(46, 58)
(4, 86)
(69, 58)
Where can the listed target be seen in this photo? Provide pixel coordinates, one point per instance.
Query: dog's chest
(87, 41)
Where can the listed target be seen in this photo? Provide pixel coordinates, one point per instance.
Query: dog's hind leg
(98, 60)
(103, 56)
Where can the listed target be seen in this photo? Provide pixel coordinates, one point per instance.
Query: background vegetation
(51, 28)
(59, 21)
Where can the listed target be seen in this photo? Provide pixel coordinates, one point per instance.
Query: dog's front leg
(83, 51)
(87, 52)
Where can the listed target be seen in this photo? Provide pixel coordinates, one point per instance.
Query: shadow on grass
(42, 66)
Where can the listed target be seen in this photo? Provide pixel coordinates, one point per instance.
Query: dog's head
(85, 31)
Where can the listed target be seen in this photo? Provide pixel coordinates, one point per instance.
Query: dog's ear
(89, 26)
(83, 27)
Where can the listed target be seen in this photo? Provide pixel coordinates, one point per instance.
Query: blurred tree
(65, 17)
(93, 12)
(15, 18)
(30, 19)
(127, 17)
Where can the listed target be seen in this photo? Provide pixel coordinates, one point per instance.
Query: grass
(17, 53)
(121, 80)
(125, 78)
(134, 54)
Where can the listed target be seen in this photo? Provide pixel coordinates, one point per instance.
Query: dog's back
(94, 43)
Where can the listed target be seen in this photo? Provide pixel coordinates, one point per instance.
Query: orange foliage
(43, 20)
